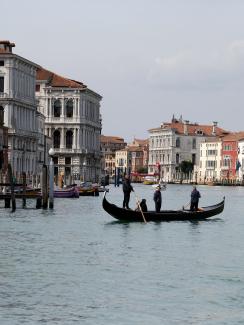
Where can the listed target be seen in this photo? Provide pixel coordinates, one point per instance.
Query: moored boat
(164, 215)
(88, 189)
(71, 192)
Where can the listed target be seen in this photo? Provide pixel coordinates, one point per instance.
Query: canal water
(77, 265)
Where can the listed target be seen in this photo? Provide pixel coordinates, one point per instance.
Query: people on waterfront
(195, 196)
(143, 206)
(157, 197)
(127, 188)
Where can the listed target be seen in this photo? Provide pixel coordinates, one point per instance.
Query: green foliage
(186, 166)
(142, 170)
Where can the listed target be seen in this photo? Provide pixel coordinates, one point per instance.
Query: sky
(147, 59)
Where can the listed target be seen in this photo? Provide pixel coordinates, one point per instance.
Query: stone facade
(210, 164)
(73, 122)
(177, 141)
(17, 98)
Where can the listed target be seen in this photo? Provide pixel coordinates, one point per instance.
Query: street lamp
(84, 166)
(51, 178)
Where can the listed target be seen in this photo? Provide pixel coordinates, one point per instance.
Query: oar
(185, 205)
(138, 202)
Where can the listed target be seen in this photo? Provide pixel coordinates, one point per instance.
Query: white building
(17, 98)
(177, 141)
(209, 169)
(240, 171)
(73, 122)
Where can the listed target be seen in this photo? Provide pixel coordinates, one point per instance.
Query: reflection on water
(76, 265)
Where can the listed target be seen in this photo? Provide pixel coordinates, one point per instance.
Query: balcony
(225, 168)
(66, 150)
(4, 95)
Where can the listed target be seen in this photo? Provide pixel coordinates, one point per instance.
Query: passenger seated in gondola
(143, 206)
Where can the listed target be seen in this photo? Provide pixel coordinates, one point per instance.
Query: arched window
(56, 139)
(1, 116)
(57, 108)
(69, 139)
(69, 108)
(177, 143)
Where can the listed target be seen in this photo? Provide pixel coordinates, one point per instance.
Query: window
(37, 87)
(67, 160)
(1, 84)
(212, 152)
(57, 108)
(177, 158)
(69, 108)
(210, 163)
(56, 139)
(177, 143)
(227, 147)
(1, 116)
(227, 161)
(194, 144)
(1, 63)
(69, 139)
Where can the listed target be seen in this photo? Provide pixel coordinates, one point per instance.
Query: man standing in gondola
(195, 196)
(127, 188)
(157, 197)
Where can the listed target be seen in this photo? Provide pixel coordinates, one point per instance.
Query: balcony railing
(4, 95)
(67, 150)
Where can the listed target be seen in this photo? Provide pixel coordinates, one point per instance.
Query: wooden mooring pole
(10, 175)
(44, 187)
(24, 190)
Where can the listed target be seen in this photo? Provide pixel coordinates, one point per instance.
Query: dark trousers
(158, 206)
(126, 200)
(194, 206)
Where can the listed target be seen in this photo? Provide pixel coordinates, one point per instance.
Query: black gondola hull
(164, 215)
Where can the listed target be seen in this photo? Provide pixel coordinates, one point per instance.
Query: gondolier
(127, 188)
(157, 197)
(195, 196)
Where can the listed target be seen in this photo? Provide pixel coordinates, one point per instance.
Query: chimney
(214, 128)
(185, 127)
(6, 46)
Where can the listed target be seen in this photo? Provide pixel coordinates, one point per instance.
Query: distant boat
(70, 192)
(149, 180)
(88, 189)
(162, 185)
(128, 215)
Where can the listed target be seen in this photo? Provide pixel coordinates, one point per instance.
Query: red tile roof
(192, 129)
(55, 80)
(234, 136)
(111, 139)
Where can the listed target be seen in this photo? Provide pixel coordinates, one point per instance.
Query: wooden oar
(138, 202)
(185, 205)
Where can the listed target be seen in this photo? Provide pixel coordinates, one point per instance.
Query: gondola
(164, 215)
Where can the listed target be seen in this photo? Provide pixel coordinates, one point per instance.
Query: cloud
(192, 69)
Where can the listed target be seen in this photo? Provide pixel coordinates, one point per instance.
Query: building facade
(17, 100)
(240, 162)
(139, 155)
(232, 152)
(210, 164)
(73, 122)
(109, 146)
(123, 161)
(175, 142)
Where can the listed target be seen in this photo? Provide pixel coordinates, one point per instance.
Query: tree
(142, 170)
(186, 166)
